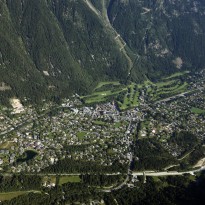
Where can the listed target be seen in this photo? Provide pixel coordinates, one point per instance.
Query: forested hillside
(57, 46)
(167, 34)
(52, 48)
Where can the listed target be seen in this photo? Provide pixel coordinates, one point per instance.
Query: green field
(10, 195)
(49, 179)
(169, 89)
(69, 179)
(81, 135)
(131, 97)
(178, 74)
(165, 83)
(117, 124)
(7, 145)
(101, 84)
(197, 110)
(99, 122)
(103, 92)
(128, 96)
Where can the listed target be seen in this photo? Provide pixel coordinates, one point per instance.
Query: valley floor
(152, 126)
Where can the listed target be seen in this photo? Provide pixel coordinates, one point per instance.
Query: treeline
(192, 159)
(101, 180)
(196, 155)
(20, 183)
(150, 154)
(178, 190)
(74, 166)
(185, 140)
(66, 194)
(46, 55)
(165, 29)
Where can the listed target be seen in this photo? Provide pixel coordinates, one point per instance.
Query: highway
(167, 173)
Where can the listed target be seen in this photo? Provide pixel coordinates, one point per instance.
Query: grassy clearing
(101, 96)
(161, 181)
(101, 84)
(7, 145)
(125, 103)
(131, 98)
(178, 74)
(69, 179)
(117, 124)
(49, 179)
(103, 91)
(81, 135)
(169, 91)
(197, 110)
(165, 83)
(175, 89)
(136, 99)
(128, 96)
(99, 122)
(159, 90)
(11, 195)
(95, 100)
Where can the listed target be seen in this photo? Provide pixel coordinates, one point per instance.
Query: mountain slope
(167, 34)
(55, 46)
(52, 48)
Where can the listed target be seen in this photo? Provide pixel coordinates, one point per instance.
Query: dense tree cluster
(45, 54)
(150, 154)
(185, 140)
(178, 190)
(73, 166)
(20, 182)
(101, 180)
(169, 26)
(171, 190)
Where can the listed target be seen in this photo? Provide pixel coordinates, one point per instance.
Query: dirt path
(186, 155)
(90, 5)
(200, 163)
(170, 166)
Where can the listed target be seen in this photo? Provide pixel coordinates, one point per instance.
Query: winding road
(103, 16)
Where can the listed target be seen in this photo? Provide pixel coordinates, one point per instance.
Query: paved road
(131, 159)
(151, 173)
(122, 184)
(166, 173)
(61, 174)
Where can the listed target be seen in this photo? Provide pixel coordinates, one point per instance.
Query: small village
(102, 130)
